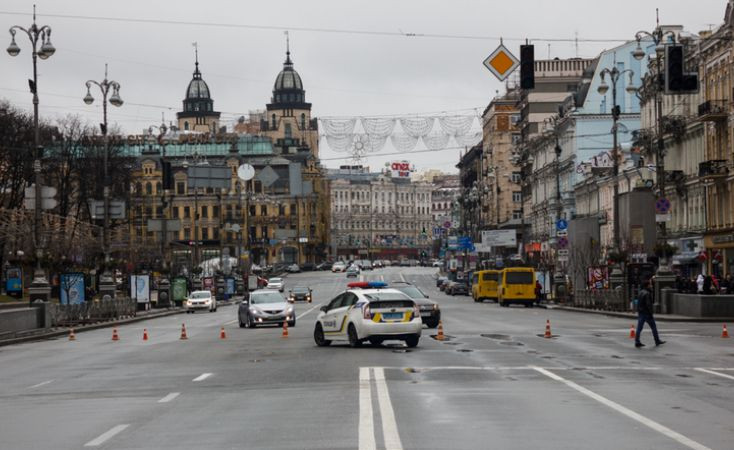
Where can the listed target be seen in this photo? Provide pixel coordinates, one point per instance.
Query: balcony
(716, 168)
(713, 111)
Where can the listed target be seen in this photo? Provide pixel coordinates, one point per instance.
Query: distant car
(444, 284)
(405, 263)
(364, 264)
(377, 264)
(338, 266)
(326, 265)
(200, 300)
(456, 288)
(300, 293)
(353, 271)
(437, 264)
(256, 268)
(265, 307)
(276, 283)
(386, 262)
(440, 281)
(368, 314)
(293, 268)
(430, 311)
(307, 267)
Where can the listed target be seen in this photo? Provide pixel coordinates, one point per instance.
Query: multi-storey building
(378, 216)
(198, 107)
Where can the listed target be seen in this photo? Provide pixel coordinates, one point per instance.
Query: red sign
(400, 169)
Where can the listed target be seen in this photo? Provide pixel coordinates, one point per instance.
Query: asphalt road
(495, 383)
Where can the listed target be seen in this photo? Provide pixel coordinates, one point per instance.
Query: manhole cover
(446, 337)
(464, 350)
(256, 360)
(410, 370)
(402, 350)
(499, 337)
(516, 344)
(552, 336)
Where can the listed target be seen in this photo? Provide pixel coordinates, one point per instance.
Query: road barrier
(632, 331)
(607, 300)
(724, 332)
(285, 329)
(548, 333)
(222, 334)
(183, 332)
(115, 336)
(145, 334)
(91, 312)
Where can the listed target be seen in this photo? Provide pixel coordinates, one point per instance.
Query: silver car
(276, 283)
(266, 307)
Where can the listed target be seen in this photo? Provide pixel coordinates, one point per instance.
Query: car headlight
(188, 302)
(255, 310)
(435, 307)
(289, 310)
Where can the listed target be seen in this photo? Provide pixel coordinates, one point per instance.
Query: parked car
(256, 269)
(437, 264)
(265, 307)
(307, 267)
(377, 264)
(444, 283)
(456, 288)
(353, 271)
(200, 300)
(276, 283)
(440, 280)
(338, 266)
(293, 268)
(430, 311)
(326, 265)
(364, 264)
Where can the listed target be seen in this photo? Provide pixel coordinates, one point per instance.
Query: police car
(369, 311)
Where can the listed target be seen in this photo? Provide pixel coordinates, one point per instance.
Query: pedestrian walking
(644, 315)
(699, 283)
(538, 292)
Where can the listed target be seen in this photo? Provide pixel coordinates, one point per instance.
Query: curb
(95, 326)
(632, 316)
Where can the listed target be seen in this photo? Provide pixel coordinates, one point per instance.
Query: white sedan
(275, 283)
(367, 311)
(201, 300)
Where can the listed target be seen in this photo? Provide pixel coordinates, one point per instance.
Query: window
(187, 233)
(186, 126)
(187, 212)
(516, 215)
(180, 188)
(273, 121)
(303, 121)
(515, 118)
(294, 209)
(263, 210)
(215, 211)
(517, 197)
(288, 131)
(175, 213)
(148, 188)
(516, 177)
(253, 210)
(204, 212)
(516, 139)
(205, 233)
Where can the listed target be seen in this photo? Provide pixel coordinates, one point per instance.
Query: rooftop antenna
(576, 43)
(196, 54)
(657, 17)
(287, 47)
(549, 50)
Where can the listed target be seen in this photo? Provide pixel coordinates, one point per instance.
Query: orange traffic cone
(222, 334)
(115, 337)
(548, 333)
(440, 336)
(72, 336)
(145, 334)
(724, 332)
(632, 331)
(183, 332)
(285, 329)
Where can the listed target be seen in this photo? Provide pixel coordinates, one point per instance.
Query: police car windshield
(385, 296)
(265, 297)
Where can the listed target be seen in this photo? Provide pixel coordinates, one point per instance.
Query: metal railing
(605, 300)
(91, 312)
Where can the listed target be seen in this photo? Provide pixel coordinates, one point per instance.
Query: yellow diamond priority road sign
(501, 62)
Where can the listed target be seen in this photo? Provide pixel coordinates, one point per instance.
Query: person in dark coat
(707, 285)
(644, 315)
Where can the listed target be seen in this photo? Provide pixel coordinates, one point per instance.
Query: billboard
(401, 169)
(71, 288)
(499, 238)
(140, 288)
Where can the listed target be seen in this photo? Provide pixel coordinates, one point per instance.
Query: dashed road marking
(104, 437)
(662, 429)
(169, 397)
(389, 425)
(366, 422)
(712, 372)
(311, 309)
(230, 322)
(202, 377)
(44, 383)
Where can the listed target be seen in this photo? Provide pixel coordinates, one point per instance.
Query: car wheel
(292, 323)
(318, 336)
(431, 323)
(528, 305)
(478, 300)
(250, 322)
(412, 341)
(353, 338)
(376, 342)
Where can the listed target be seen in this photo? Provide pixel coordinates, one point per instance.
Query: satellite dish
(245, 172)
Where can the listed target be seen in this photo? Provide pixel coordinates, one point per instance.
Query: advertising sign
(14, 281)
(140, 288)
(499, 238)
(453, 242)
(71, 288)
(229, 289)
(598, 278)
(400, 169)
(178, 289)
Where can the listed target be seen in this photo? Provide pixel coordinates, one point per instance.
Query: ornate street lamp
(37, 35)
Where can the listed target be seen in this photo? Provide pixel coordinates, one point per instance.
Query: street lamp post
(658, 35)
(614, 75)
(36, 35)
(162, 130)
(552, 124)
(105, 86)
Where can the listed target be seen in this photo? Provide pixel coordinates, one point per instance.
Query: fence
(606, 300)
(91, 312)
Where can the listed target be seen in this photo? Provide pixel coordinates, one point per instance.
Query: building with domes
(198, 107)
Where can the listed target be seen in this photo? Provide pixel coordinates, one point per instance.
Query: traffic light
(676, 80)
(527, 67)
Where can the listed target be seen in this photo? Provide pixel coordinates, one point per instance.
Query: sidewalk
(633, 316)
(39, 334)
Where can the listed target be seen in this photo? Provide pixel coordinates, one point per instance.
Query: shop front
(690, 259)
(719, 253)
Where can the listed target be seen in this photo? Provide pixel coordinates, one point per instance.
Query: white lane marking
(311, 309)
(230, 322)
(40, 384)
(104, 437)
(361, 278)
(662, 429)
(169, 397)
(382, 278)
(402, 276)
(723, 375)
(366, 423)
(389, 425)
(202, 377)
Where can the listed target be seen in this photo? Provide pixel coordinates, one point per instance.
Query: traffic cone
(222, 334)
(632, 331)
(115, 337)
(72, 336)
(440, 336)
(285, 329)
(724, 333)
(548, 333)
(183, 332)
(145, 334)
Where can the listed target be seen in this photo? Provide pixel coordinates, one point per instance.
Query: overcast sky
(344, 73)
